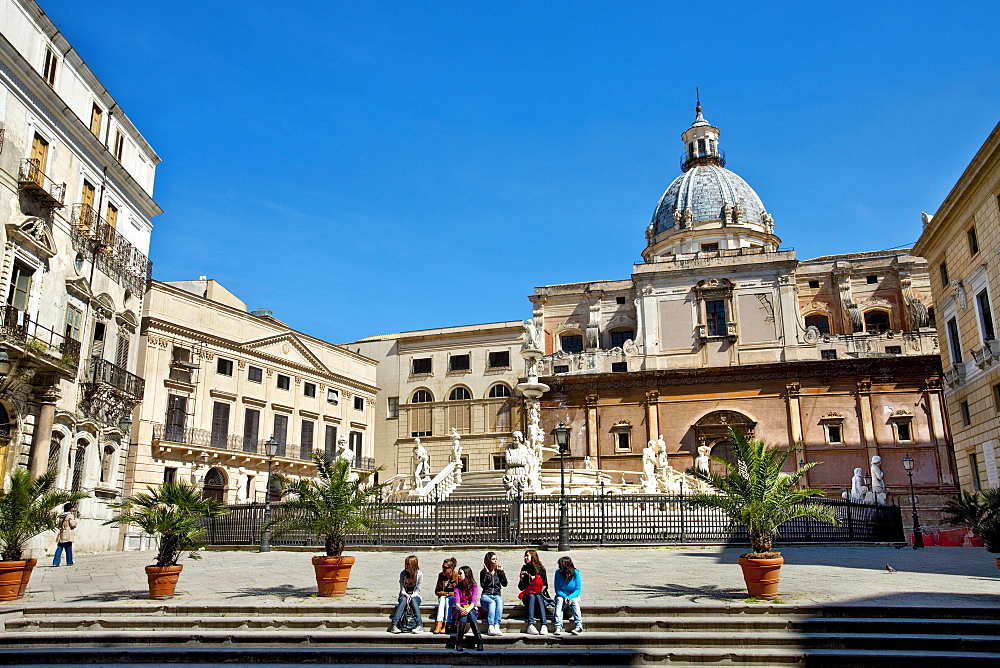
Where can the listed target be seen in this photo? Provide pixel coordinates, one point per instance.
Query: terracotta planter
(332, 574)
(761, 576)
(162, 580)
(14, 577)
(996, 562)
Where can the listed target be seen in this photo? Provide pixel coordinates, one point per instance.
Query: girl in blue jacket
(568, 586)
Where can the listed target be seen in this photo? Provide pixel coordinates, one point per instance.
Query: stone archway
(215, 485)
(712, 430)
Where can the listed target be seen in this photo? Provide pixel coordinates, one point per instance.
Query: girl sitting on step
(444, 589)
(492, 578)
(568, 587)
(532, 583)
(410, 579)
(465, 609)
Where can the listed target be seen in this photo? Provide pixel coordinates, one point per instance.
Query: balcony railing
(32, 181)
(16, 327)
(986, 355)
(690, 160)
(103, 372)
(114, 254)
(955, 375)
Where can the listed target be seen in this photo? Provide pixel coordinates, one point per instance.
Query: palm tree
(174, 511)
(755, 492)
(980, 512)
(26, 510)
(335, 505)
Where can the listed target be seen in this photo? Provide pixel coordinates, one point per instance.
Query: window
(715, 317)
(894, 350)
(619, 367)
(359, 403)
(709, 248)
(284, 382)
(220, 424)
(422, 365)
(499, 462)
(280, 433)
(39, 158)
(996, 397)
(619, 300)
(572, 343)
(392, 408)
(619, 337)
(974, 471)
(95, 120)
(833, 434)
(499, 360)
(833, 427)
(829, 354)
(107, 460)
(309, 389)
(251, 429)
(560, 368)
(499, 391)
(973, 240)
(111, 216)
(20, 287)
(169, 474)
(460, 415)
(459, 394)
(871, 280)
(944, 274)
(420, 418)
(119, 146)
(985, 316)
(79, 462)
(963, 409)
(176, 418)
(330, 441)
(954, 343)
(820, 322)
(903, 432)
(876, 322)
(459, 363)
(121, 350)
(74, 317)
(622, 443)
(86, 216)
(813, 284)
(223, 367)
(333, 396)
(49, 68)
(422, 397)
(308, 428)
(255, 374)
(354, 440)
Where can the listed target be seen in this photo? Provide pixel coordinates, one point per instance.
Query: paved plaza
(934, 576)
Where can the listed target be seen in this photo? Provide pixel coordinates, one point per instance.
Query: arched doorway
(274, 490)
(712, 430)
(722, 450)
(215, 485)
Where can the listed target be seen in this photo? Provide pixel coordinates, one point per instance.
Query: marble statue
(344, 451)
(588, 463)
(531, 341)
(456, 445)
(858, 487)
(877, 493)
(661, 452)
(703, 460)
(648, 467)
(243, 485)
(518, 461)
(421, 464)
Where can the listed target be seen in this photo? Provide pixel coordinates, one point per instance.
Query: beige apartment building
(433, 380)
(962, 245)
(220, 381)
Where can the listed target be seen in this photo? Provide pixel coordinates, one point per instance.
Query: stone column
(652, 416)
(42, 438)
(938, 433)
(865, 417)
(592, 429)
(794, 406)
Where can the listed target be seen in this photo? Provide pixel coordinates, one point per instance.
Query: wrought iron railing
(100, 371)
(17, 327)
(32, 180)
(689, 160)
(608, 519)
(225, 441)
(114, 254)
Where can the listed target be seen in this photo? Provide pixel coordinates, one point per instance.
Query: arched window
(107, 461)
(422, 397)
(724, 451)
(459, 394)
(79, 461)
(571, 343)
(4, 422)
(215, 485)
(876, 322)
(55, 452)
(499, 391)
(820, 322)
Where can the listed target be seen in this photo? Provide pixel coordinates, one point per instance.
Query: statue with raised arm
(531, 341)
(421, 464)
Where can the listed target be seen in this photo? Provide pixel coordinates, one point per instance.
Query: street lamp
(562, 440)
(271, 448)
(918, 536)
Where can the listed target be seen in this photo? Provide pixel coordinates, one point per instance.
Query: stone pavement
(934, 576)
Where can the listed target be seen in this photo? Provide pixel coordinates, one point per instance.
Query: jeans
(443, 609)
(494, 608)
(401, 610)
(59, 550)
(531, 601)
(573, 603)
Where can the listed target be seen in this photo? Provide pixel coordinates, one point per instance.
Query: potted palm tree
(26, 510)
(756, 493)
(980, 513)
(334, 505)
(174, 511)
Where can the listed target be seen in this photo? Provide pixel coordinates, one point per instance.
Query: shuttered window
(220, 424)
(251, 429)
(308, 426)
(330, 442)
(354, 440)
(281, 433)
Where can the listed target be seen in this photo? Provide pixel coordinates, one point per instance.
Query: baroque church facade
(719, 327)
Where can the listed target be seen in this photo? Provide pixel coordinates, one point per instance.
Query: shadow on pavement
(278, 590)
(713, 592)
(926, 600)
(108, 596)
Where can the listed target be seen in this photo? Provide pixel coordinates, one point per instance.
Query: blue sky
(370, 167)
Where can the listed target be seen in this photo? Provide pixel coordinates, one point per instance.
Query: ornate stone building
(962, 242)
(719, 327)
(76, 183)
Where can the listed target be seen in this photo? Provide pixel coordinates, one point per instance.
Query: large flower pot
(14, 576)
(996, 562)
(761, 576)
(332, 574)
(162, 580)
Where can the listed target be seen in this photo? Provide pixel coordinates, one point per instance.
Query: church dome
(709, 192)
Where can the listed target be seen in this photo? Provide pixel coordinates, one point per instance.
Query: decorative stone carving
(960, 296)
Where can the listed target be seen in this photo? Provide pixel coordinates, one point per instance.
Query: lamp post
(271, 448)
(562, 440)
(918, 536)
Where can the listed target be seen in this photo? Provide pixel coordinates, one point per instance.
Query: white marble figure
(531, 341)
(242, 485)
(703, 461)
(876, 494)
(648, 468)
(518, 459)
(421, 464)
(456, 445)
(588, 463)
(661, 453)
(858, 488)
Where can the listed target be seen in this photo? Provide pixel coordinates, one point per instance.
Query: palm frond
(27, 508)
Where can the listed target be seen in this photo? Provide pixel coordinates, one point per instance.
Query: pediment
(81, 286)
(288, 347)
(34, 233)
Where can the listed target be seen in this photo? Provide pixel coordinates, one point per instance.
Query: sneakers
(542, 630)
(417, 629)
(577, 631)
(532, 631)
(495, 630)
(557, 631)
(394, 629)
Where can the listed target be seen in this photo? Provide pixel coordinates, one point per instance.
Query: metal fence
(593, 520)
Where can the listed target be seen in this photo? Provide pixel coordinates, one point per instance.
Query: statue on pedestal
(703, 460)
(877, 493)
(456, 453)
(421, 464)
(588, 463)
(518, 460)
(531, 340)
(858, 488)
(648, 468)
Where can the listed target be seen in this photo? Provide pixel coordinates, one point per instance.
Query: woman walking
(568, 587)
(492, 578)
(64, 541)
(532, 583)
(444, 589)
(465, 609)
(410, 579)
